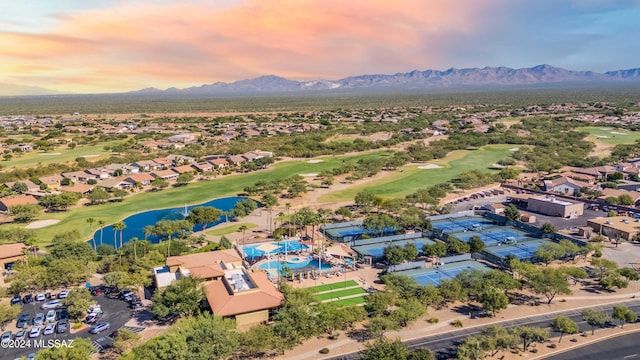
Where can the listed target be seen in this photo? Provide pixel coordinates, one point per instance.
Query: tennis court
(433, 276)
(493, 236)
(376, 251)
(460, 224)
(523, 250)
(351, 231)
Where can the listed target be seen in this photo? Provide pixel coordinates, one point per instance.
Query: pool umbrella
(267, 248)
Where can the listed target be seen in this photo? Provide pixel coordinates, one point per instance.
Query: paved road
(116, 313)
(444, 345)
(625, 347)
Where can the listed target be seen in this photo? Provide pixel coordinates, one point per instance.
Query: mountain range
(427, 79)
(541, 75)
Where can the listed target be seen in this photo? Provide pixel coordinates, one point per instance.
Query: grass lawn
(610, 136)
(340, 293)
(194, 193)
(58, 155)
(409, 178)
(230, 229)
(357, 300)
(338, 285)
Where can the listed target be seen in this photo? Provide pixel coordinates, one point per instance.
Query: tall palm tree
(93, 238)
(101, 223)
(243, 228)
(134, 241)
(119, 226)
(144, 244)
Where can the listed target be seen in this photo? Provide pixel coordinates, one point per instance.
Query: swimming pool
(277, 265)
(252, 251)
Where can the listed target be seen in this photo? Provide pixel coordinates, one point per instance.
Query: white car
(41, 297)
(63, 294)
(49, 329)
(53, 304)
(35, 332)
(51, 316)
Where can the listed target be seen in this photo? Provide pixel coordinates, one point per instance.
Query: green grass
(58, 155)
(340, 293)
(411, 178)
(350, 301)
(229, 229)
(611, 136)
(194, 193)
(338, 285)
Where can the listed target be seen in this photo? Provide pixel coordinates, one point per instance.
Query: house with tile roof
(10, 253)
(231, 291)
(9, 202)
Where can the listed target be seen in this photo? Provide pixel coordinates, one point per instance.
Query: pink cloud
(140, 45)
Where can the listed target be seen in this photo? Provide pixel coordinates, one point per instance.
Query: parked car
(16, 299)
(20, 335)
(126, 295)
(100, 327)
(135, 305)
(53, 304)
(35, 331)
(63, 326)
(38, 319)
(23, 320)
(51, 316)
(63, 294)
(47, 295)
(92, 318)
(6, 336)
(49, 329)
(27, 299)
(41, 297)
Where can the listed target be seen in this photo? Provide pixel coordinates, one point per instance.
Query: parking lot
(116, 312)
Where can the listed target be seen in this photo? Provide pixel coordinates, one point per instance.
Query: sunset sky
(97, 46)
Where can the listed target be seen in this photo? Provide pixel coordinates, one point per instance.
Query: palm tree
(101, 223)
(93, 238)
(119, 226)
(242, 228)
(144, 244)
(134, 241)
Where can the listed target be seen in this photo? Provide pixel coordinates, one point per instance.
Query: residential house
(168, 175)
(121, 169)
(635, 196)
(10, 254)
(181, 159)
(9, 202)
(115, 183)
(143, 179)
(78, 188)
(185, 138)
(599, 171)
(204, 167)
(52, 181)
(80, 176)
(31, 187)
(219, 163)
(99, 173)
(164, 162)
(147, 165)
(564, 185)
(183, 169)
(237, 159)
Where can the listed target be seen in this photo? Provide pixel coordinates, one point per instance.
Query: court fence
(407, 266)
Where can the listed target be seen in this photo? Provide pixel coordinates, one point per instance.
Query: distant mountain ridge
(24, 90)
(427, 79)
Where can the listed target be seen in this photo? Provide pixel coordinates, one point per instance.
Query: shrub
(574, 340)
(456, 324)
(552, 346)
(324, 351)
(534, 350)
(433, 320)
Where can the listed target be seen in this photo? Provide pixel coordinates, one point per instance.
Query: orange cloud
(140, 45)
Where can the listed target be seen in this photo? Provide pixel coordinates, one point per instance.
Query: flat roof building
(613, 227)
(549, 205)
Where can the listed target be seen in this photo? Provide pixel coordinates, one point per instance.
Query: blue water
(251, 251)
(275, 264)
(136, 223)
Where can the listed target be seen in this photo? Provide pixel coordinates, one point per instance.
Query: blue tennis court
(493, 237)
(521, 251)
(460, 224)
(377, 250)
(433, 276)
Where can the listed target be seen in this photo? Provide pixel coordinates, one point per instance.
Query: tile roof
(11, 250)
(224, 302)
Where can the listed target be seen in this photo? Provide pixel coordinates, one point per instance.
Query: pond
(136, 223)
